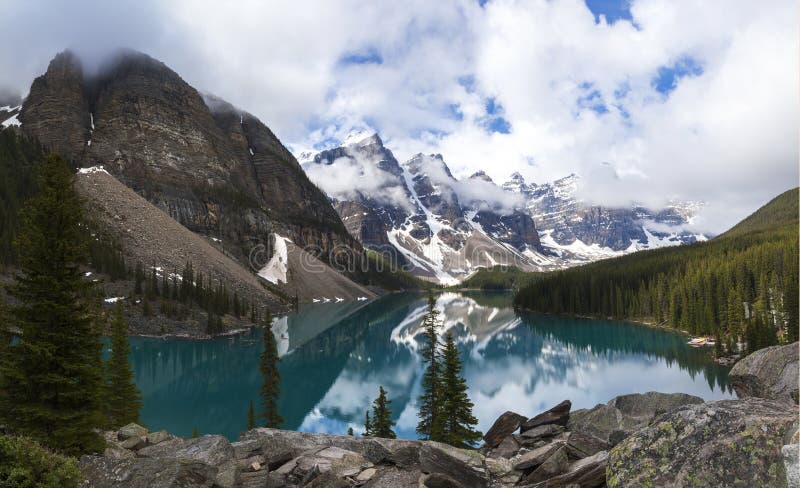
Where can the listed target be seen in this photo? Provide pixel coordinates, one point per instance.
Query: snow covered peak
(306, 156)
(362, 138)
(481, 175)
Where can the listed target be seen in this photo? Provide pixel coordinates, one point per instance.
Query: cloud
(685, 99)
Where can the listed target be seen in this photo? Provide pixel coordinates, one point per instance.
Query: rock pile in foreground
(648, 439)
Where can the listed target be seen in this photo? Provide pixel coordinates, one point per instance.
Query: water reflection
(335, 356)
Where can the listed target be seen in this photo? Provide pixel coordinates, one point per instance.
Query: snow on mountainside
(443, 229)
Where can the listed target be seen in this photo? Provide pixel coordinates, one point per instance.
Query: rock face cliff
(216, 169)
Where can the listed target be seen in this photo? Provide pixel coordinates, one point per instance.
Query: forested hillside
(742, 284)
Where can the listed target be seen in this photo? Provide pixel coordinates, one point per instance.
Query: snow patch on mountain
(275, 270)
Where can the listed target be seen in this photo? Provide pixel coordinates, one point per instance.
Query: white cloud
(727, 136)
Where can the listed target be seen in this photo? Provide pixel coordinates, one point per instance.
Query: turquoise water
(334, 357)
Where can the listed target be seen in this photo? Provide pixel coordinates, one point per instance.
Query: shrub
(24, 463)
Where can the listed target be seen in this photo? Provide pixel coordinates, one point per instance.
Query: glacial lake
(334, 357)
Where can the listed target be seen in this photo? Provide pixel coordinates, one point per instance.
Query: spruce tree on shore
(457, 419)
(251, 417)
(429, 426)
(367, 424)
(271, 376)
(50, 381)
(121, 397)
(382, 417)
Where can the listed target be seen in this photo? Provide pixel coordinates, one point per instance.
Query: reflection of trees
(210, 383)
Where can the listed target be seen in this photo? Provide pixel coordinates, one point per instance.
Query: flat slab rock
(558, 415)
(145, 473)
(722, 443)
(768, 373)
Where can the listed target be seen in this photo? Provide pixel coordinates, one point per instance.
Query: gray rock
(791, 461)
(722, 443)
(584, 473)
(157, 437)
(131, 430)
(441, 480)
(366, 475)
(391, 477)
(581, 445)
(541, 432)
(504, 426)
(502, 470)
(557, 415)
(536, 457)
(146, 473)
(768, 373)
(132, 443)
(506, 449)
(625, 414)
(554, 465)
(117, 452)
(464, 466)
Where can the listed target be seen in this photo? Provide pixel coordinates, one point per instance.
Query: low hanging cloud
(684, 99)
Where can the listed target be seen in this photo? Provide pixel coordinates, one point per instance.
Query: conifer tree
(382, 417)
(195, 433)
(457, 419)
(367, 424)
(271, 376)
(350, 432)
(121, 397)
(429, 426)
(50, 381)
(251, 417)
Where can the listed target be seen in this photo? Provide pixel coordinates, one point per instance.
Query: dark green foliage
(378, 270)
(498, 278)
(367, 425)
(350, 432)
(429, 426)
(382, 417)
(457, 419)
(251, 417)
(721, 287)
(271, 377)
(121, 397)
(51, 379)
(26, 464)
(214, 325)
(20, 160)
(106, 256)
(195, 432)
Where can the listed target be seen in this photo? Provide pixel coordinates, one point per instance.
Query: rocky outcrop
(722, 443)
(213, 168)
(768, 373)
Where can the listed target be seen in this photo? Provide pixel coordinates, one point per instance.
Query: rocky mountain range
(444, 229)
(217, 170)
(421, 216)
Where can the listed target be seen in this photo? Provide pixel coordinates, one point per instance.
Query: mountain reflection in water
(334, 357)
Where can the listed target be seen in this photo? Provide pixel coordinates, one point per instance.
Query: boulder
(506, 449)
(584, 473)
(131, 430)
(117, 452)
(541, 432)
(132, 443)
(464, 466)
(441, 480)
(391, 477)
(554, 465)
(581, 445)
(767, 373)
(502, 471)
(791, 463)
(624, 414)
(536, 457)
(721, 443)
(504, 426)
(157, 437)
(557, 415)
(104, 472)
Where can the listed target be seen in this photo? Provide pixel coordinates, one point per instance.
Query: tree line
(742, 285)
(54, 385)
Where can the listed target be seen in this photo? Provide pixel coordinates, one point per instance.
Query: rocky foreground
(650, 439)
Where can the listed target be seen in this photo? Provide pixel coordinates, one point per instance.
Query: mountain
(213, 168)
(444, 229)
(742, 284)
(579, 233)
(420, 216)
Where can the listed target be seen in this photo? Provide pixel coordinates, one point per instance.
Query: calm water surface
(335, 356)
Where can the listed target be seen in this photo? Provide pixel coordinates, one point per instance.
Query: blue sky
(681, 98)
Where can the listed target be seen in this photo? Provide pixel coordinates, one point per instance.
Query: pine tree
(350, 432)
(429, 426)
(121, 396)
(251, 417)
(271, 376)
(367, 424)
(382, 417)
(458, 421)
(195, 433)
(50, 382)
